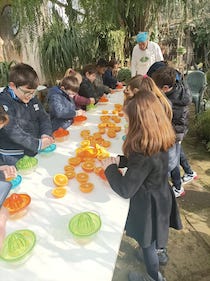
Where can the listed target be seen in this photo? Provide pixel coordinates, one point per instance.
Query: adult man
(144, 54)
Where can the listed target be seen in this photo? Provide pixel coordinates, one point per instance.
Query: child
(138, 82)
(87, 88)
(61, 104)
(135, 84)
(152, 203)
(29, 128)
(189, 174)
(5, 170)
(101, 67)
(180, 97)
(110, 75)
(80, 101)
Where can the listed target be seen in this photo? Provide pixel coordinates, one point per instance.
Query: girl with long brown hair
(153, 206)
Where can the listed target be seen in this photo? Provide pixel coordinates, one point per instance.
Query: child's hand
(46, 141)
(9, 171)
(108, 161)
(92, 100)
(80, 112)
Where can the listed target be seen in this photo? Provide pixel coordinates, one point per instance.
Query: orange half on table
(82, 177)
(86, 187)
(60, 180)
(88, 166)
(59, 192)
(74, 161)
(17, 202)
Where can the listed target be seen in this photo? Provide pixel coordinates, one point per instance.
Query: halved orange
(74, 161)
(86, 187)
(82, 177)
(60, 180)
(85, 133)
(102, 174)
(111, 133)
(106, 143)
(58, 192)
(70, 174)
(88, 166)
(84, 143)
(104, 111)
(69, 168)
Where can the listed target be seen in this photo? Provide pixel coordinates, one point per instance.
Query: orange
(121, 114)
(117, 129)
(104, 111)
(88, 166)
(85, 133)
(74, 161)
(86, 187)
(82, 177)
(96, 135)
(68, 168)
(102, 131)
(84, 143)
(111, 134)
(70, 174)
(59, 192)
(102, 174)
(106, 143)
(60, 180)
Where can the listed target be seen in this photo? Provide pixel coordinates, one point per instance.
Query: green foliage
(202, 126)
(4, 72)
(124, 75)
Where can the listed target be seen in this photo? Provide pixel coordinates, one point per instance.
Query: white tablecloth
(56, 255)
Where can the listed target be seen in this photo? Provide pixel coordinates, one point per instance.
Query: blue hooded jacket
(62, 108)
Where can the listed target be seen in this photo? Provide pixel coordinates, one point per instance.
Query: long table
(56, 255)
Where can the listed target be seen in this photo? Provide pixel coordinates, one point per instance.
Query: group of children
(153, 107)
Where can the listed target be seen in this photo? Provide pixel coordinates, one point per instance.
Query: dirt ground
(188, 249)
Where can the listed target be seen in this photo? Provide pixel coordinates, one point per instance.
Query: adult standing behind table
(29, 128)
(144, 54)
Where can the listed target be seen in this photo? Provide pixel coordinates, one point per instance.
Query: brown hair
(89, 68)
(4, 118)
(149, 129)
(165, 76)
(70, 83)
(139, 82)
(23, 74)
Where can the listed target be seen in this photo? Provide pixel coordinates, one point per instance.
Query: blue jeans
(184, 163)
(174, 164)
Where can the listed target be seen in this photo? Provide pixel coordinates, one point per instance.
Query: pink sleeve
(79, 100)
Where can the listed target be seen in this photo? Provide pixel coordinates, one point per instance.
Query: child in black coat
(153, 206)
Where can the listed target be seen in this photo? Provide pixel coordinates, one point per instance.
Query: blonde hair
(72, 72)
(139, 82)
(149, 130)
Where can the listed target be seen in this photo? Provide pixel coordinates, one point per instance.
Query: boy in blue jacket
(29, 128)
(62, 107)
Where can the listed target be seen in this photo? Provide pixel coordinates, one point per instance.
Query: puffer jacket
(28, 122)
(62, 108)
(180, 98)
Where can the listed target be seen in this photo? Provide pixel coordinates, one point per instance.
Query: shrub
(124, 74)
(4, 72)
(202, 127)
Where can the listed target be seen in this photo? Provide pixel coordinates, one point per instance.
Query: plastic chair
(197, 83)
